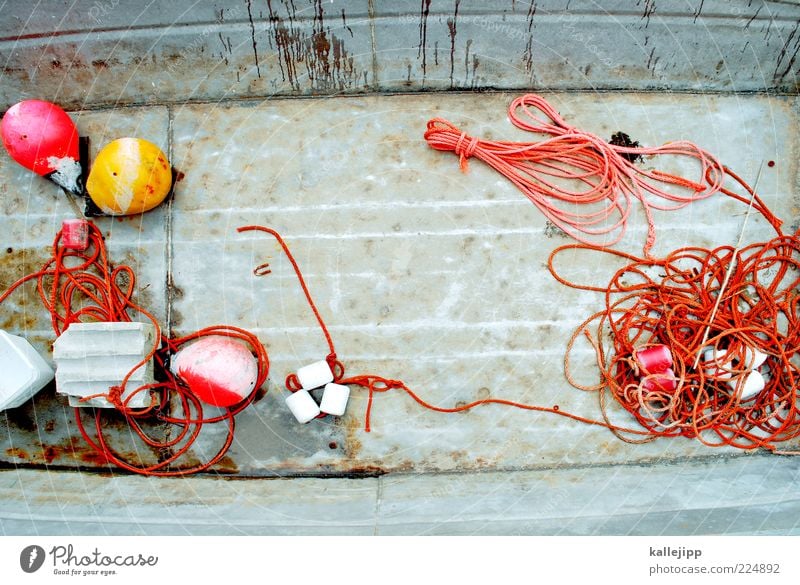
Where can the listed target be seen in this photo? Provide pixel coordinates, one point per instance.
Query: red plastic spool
(654, 359)
(75, 234)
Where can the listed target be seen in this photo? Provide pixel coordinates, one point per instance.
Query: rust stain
(782, 70)
(16, 264)
(17, 453)
(327, 63)
(362, 471)
(50, 426)
(527, 55)
(452, 27)
(352, 444)
(253, 37)
(226, 465)
(49, 453)
(649, 9)
(93, 457)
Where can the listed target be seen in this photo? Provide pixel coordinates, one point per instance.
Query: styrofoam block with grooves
(92, 357)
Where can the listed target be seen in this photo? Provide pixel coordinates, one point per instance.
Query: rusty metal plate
(42, 432)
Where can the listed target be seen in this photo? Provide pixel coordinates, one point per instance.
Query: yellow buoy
(129, 176)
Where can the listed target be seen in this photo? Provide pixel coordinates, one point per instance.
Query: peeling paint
(424, 10)
(325, 58)
(253, 37)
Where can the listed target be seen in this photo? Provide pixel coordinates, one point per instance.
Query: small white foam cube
(752, 385)
(314, 375)
(715, 362)
(334, 399)
(302, 406)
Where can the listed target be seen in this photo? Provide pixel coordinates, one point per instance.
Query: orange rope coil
(580, 182)
(78, 286)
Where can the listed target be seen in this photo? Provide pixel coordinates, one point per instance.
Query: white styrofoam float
(334, 397)
(23, 372)
(92, 357)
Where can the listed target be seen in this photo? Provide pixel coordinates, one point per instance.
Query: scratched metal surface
(107, 52)
(749, 496)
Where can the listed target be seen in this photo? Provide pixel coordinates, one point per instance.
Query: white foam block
(302, 406)
(24, 371)
(753, 384)
(315, 375)
(753, 357)
(716, 364)
(334, 399)
(92, 357)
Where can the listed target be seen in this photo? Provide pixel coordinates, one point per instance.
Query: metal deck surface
(423, 274)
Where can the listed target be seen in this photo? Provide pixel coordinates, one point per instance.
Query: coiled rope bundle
(580, 182)
(76, 286)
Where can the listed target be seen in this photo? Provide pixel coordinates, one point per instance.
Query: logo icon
(31, 558)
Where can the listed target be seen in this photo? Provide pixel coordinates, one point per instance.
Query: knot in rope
(464, 148)
(292, 383)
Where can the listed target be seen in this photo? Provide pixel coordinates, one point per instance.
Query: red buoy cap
(39, 135)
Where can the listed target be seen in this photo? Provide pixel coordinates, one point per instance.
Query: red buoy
(41, 137)
(219, 370)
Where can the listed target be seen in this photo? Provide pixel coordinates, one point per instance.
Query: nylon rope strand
(375, 384)
(83, 286)
(581, 183)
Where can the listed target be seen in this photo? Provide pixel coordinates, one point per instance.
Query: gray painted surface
(423, 273)
(750, 495)
(91, 52)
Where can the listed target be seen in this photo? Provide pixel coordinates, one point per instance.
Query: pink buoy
(653, 359)
(219, 370)
(41, 137)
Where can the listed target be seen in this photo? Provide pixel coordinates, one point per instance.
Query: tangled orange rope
(580, 182)
(760, 309)
(82, 286)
